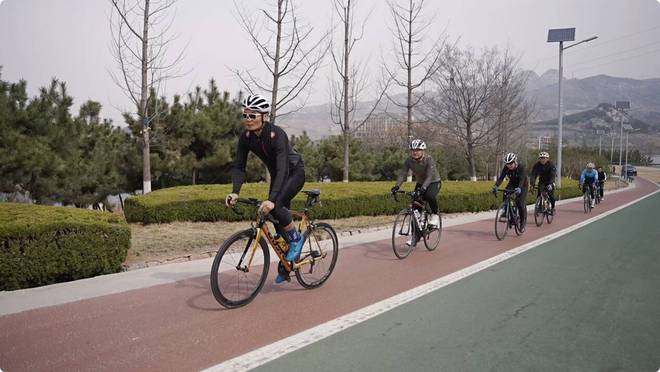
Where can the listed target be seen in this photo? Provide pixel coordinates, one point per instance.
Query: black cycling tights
(292, 186)
(431, 195)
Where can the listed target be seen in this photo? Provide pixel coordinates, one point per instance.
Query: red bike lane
(179, 326)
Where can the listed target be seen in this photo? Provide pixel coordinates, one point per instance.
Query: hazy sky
(70, 39)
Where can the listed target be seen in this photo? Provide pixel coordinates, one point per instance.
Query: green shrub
(338, 200)
(42, 245)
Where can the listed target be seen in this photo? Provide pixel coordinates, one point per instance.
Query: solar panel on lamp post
(561, 35)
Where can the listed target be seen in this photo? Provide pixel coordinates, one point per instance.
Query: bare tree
(351, 78)
(512, 111)
(287, 51)
(409, 31)
(479, 101)
(141, 40)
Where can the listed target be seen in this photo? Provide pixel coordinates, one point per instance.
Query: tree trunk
(346, 164)
(347, 124)
(470, 153)
(276, 67)
(410, 64)
(410, 89)
(142, 110)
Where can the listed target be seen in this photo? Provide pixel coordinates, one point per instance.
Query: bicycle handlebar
(409, 193)
(506, 191)
(253, 202)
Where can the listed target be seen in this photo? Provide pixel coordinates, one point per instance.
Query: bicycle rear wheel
(539, 211)
(403, 234)
(549, 214)
(233, 283)
(433, 234)
(518, 226)
(322, 248)
(501, 227)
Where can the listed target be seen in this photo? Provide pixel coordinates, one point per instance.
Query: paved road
(179, 326)
(588, 301)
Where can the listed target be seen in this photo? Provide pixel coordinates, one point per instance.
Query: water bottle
(418, 216)
(281, 243)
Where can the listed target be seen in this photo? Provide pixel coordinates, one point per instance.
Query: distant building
(380, 127)
(655, 160)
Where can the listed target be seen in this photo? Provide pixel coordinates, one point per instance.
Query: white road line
(287, 345)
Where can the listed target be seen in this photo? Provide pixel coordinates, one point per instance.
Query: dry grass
(159, 243)
(650, 173)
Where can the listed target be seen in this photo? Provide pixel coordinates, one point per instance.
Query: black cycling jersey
(273, 148)
(545, 172)
(517, 177)
(602, 176)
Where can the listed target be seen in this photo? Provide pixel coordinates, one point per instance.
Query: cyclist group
(271, 145)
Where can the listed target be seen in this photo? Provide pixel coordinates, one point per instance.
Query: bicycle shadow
(202, 299)
(487, 236)
(381, 252)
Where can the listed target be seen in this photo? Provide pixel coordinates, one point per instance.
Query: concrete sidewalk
(12, 302)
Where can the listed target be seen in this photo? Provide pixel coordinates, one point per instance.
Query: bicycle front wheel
(586, 203)
(501, 221)
(320, 250)
(403, 234)
(539, 211)
(432, 234)
(239, 269)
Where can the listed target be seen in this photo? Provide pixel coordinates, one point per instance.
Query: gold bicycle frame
(263, 231)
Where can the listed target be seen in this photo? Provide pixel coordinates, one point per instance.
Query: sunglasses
(250, 117)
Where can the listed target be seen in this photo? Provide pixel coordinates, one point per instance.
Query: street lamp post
(612, 148)
(629, 129)
(621, 106)
(600, 140)
(560, 35)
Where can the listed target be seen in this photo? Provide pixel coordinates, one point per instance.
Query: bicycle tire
(500, 233)
(221, 295)
(549, 215)
(431, 243)
(312, 243)
(518, 227)
(404, 220)
(539, 211)
(586, 203)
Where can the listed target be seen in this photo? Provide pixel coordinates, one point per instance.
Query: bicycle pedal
(316, 254)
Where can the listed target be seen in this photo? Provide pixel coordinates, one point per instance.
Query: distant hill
(584, 94)
(581, 128)
(581, 97)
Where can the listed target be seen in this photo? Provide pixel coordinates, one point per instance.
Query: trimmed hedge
(42, 245)
(338, 200)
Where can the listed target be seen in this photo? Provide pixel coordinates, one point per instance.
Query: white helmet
(544, 154)
(510, 158)
(256, 102)
(418, 144)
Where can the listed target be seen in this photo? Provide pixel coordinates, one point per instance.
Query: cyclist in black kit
(602, 177)
(271, 144)
(517, 180)
(546, 171)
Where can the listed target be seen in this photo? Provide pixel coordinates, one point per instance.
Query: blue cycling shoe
(294, 249)
(281, 278)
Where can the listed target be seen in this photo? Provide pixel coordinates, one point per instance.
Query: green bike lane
(587, 301)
